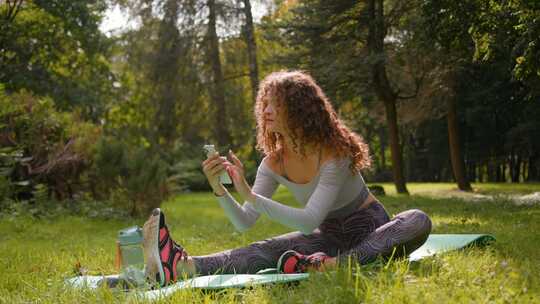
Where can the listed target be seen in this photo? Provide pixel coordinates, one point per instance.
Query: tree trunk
(249, 36)
(524, 171)
(497, 171)
(472, 171)
(454, 144)
(382, 87)
(516, 164)
(221, 130)
(382, 139)
(533, 169)
(492, 171)
(395, 147)
(165, 77)
(249, 32)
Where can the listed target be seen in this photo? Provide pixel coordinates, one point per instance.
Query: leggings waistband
(350, 207)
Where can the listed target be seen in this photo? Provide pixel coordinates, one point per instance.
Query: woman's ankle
(329, 263)
(186, 268)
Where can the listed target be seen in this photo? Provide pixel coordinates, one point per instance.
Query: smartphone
(224, 178)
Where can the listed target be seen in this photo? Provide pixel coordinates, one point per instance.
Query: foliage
(41, 145)
(514, 24)
(435, 50)
(54, 48)
(46, 152)
(498, 117)
(134, 178)
(328, 40)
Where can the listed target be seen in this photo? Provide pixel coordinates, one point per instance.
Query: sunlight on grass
(37, 255)
(484, 188)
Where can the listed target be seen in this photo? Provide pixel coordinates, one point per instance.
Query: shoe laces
(183, 252)
(314, 261)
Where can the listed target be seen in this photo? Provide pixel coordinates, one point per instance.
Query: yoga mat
(203, 282)
(435, 244)
(439, 243)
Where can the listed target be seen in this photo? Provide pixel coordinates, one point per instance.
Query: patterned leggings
(362, 235)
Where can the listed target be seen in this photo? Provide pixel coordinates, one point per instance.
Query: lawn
(37, 254)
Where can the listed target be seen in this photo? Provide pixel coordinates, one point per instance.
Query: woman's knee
(421, 220)
(418, 228)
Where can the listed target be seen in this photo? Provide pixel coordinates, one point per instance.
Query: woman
(310, 151)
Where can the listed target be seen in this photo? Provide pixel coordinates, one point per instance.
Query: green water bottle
(130, 242)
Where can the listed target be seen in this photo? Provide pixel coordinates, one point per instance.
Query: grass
(437, 189)
(36, 255)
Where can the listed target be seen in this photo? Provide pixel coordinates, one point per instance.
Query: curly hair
(310, 119)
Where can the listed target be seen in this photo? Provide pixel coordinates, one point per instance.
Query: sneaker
(293, 262)
(161, 252)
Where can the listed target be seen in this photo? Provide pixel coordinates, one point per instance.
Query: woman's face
(274, 116)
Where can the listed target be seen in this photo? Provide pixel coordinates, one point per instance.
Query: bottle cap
(131, 235)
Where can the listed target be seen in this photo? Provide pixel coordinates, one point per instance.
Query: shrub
(132, 177)
(186, 173)
(41, 145)
(187, 169)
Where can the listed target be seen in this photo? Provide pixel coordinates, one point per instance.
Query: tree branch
(418, 83)
(13, 9)
(230, 77)
(401, 8)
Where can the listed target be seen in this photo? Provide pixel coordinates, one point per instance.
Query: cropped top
(333, 192)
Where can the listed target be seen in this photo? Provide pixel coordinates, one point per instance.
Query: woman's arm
(244, 216)
(333, 176)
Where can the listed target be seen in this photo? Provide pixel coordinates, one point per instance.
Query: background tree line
(441, 90)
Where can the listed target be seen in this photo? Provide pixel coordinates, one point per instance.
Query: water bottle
(131, 255)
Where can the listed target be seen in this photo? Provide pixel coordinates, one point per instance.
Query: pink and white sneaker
(293, 262)
(161, 252)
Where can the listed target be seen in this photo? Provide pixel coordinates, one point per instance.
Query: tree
(382, 87)
(249, 37)
(221, 131)
(444, 26)
(343, 44)
(479, 43)
(454, 142)
(55, 48)
(166, 75)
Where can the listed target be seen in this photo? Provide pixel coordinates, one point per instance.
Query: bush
(186, 170)
(48, 157)
(41, 145)
(188, 176)
(377, 190)
(132, 177)
(5, 191)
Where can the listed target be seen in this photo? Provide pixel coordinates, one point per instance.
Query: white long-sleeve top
(332, 191)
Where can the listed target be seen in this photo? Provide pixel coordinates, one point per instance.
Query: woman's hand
(236, 172)
(213, 167)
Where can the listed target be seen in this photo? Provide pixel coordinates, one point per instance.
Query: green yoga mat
(435, 244)
(438, 243)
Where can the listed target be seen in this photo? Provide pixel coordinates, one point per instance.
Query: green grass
(36, 255)
(484, 188)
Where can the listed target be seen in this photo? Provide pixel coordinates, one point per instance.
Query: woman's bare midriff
(370, 199)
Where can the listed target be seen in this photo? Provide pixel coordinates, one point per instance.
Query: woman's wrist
(251, 197)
